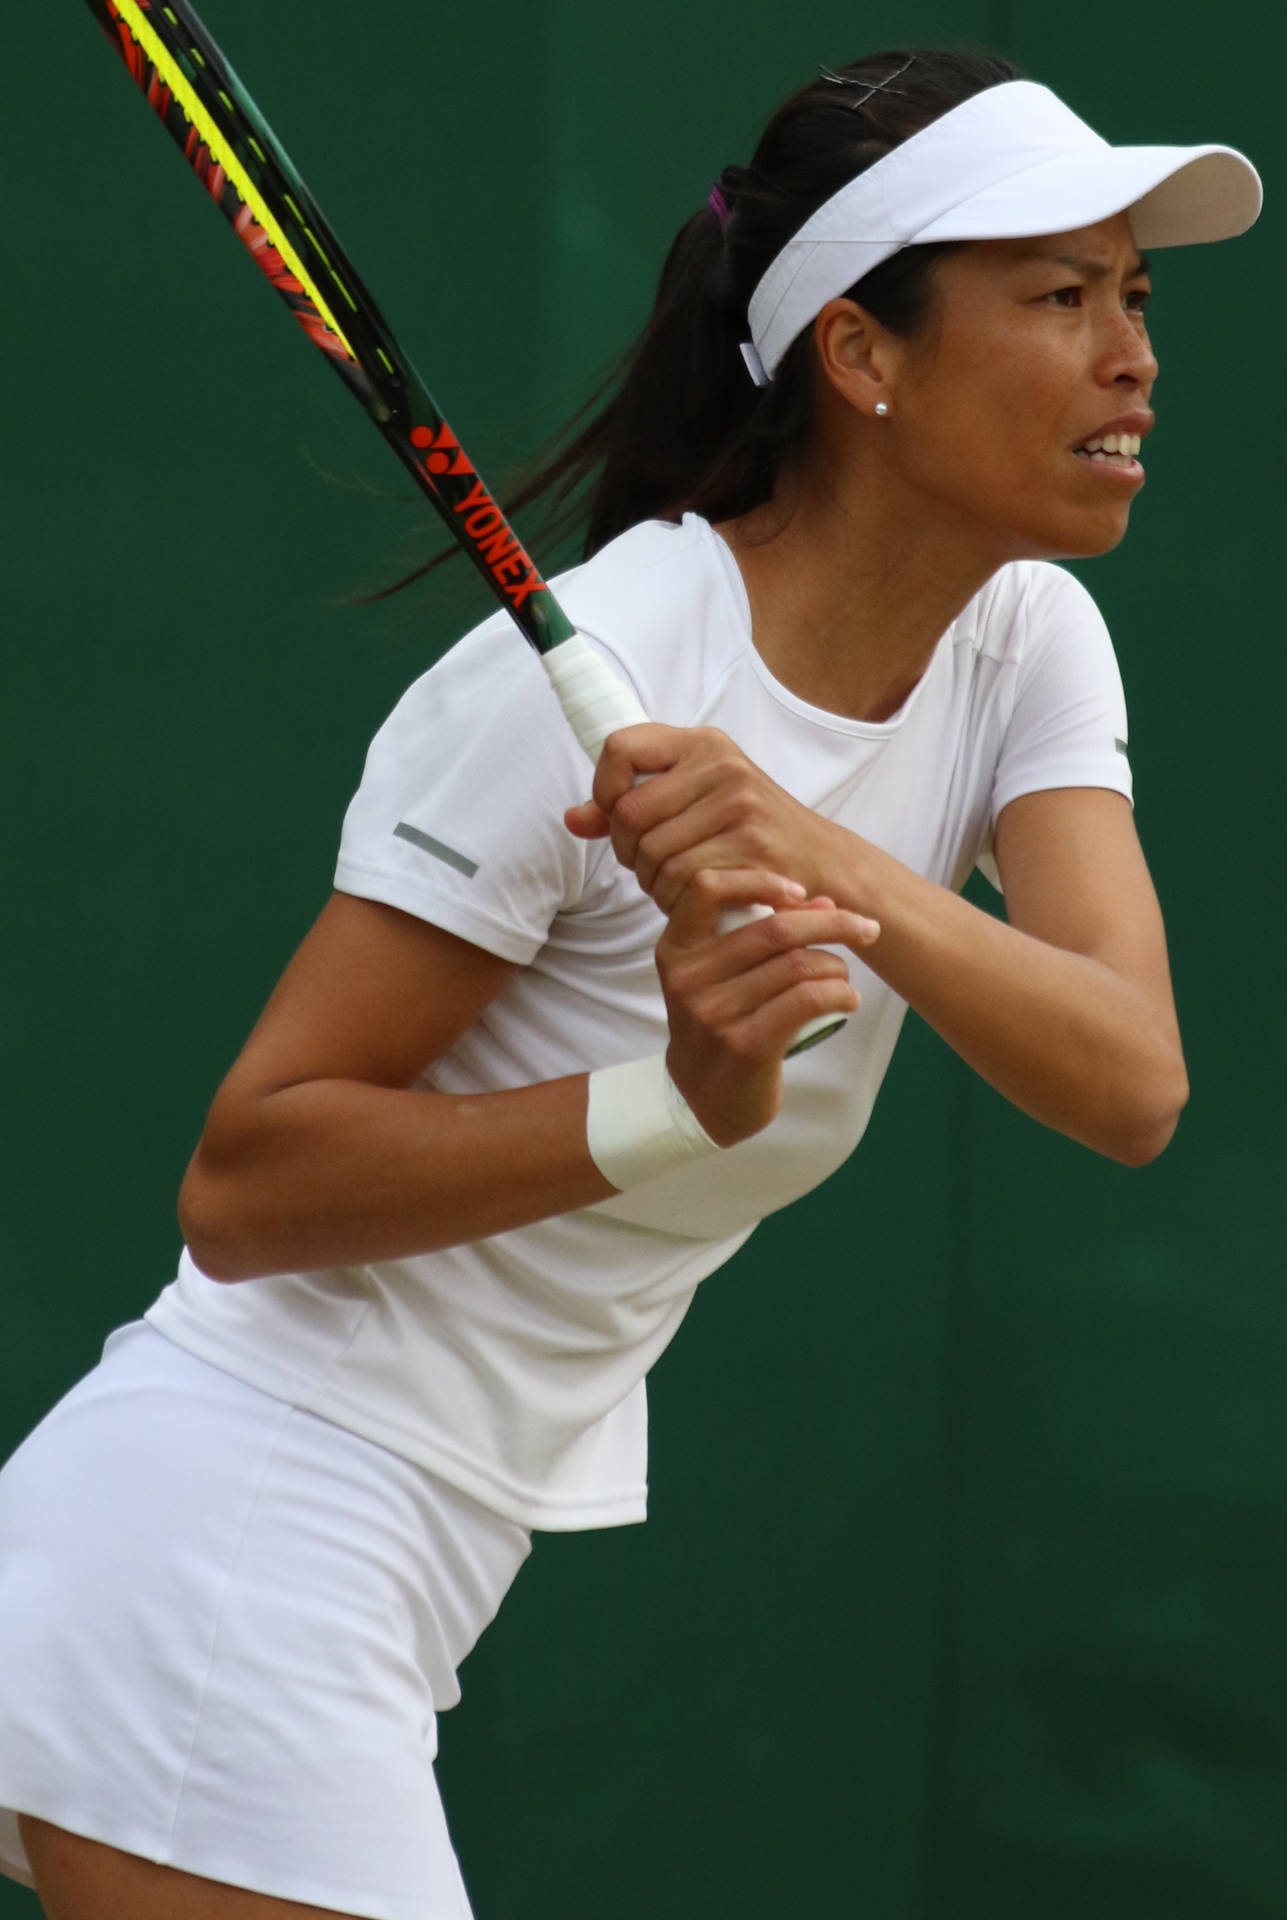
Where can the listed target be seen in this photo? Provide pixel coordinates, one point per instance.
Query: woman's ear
(856, 354)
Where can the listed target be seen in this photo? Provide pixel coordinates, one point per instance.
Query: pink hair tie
(718, 205)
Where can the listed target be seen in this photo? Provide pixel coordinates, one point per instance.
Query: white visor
(1007, 164)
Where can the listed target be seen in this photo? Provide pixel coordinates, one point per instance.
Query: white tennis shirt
(514, 1367)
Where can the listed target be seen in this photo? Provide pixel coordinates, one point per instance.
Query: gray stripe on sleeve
(405, 831)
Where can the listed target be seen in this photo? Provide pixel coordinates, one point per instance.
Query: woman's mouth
(1119, 452)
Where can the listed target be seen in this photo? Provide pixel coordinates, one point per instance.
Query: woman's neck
(849, 598)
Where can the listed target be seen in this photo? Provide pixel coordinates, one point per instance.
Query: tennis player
(517, 1093)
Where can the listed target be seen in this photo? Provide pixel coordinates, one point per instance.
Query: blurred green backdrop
(963, 1590)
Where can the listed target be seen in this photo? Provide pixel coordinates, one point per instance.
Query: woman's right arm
(320, 1150)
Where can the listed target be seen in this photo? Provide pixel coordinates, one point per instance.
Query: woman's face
(1036, 348)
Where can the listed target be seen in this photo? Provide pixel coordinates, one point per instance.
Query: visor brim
(1175, 196)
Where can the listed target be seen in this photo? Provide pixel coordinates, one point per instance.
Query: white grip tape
(639, 1125)
(594, 701)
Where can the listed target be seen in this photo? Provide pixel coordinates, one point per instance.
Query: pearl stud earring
(882, 408)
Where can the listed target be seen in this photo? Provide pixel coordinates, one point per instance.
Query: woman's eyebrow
(1098, 269)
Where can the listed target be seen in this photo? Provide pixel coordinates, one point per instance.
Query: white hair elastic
(1008, 163)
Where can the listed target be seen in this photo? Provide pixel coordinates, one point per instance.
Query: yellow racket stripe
(190, 105)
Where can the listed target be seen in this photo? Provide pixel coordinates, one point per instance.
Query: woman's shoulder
(640, 600)
(653, 565)
(659, 601)
(1026, 606)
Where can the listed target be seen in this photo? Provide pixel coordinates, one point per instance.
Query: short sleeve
(1067, 725)
(459, 817)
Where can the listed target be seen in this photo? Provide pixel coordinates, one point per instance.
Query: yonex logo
(497, 548)
(445, 453)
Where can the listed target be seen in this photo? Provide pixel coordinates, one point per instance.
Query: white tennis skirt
(226, 1627)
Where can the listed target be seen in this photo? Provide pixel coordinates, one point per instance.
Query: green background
(964, 1585)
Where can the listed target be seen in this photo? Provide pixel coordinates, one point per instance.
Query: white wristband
(639, 1125)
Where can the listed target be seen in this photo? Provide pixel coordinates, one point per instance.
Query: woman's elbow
(1150, 1134)
(208, 1222)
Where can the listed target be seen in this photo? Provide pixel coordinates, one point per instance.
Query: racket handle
(595, 703)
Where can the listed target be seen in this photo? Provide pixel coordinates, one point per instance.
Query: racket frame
(212, 118)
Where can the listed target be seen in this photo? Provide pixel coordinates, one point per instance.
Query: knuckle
(828, 966)
(629, 808)
(681, 980)
(741, 1043)
(645, 854)
(611, 762)
(623, 840)
(815, 996)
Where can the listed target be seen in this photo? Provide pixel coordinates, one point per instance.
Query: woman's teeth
(1122, 446)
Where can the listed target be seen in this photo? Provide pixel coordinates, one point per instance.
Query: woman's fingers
(698, 916)
(737, 999)
(768, 1027)
(694, 918)
(633, 753)
(647, 775)
(588, 821)
(666, 813)
(665, 850)
(677, 800)
(734, 997)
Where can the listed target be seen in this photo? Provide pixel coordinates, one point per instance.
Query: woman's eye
(1136, 301)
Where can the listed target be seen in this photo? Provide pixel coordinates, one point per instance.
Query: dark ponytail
(681, 427)
(688, 430)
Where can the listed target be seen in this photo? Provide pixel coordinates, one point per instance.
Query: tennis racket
(235, 155)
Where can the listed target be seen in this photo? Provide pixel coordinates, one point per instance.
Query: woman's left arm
(1066, 1009)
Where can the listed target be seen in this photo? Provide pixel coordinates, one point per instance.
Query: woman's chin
(1079, 537)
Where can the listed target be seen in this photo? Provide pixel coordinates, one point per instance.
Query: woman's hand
(736, 1000)
(680, 800)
